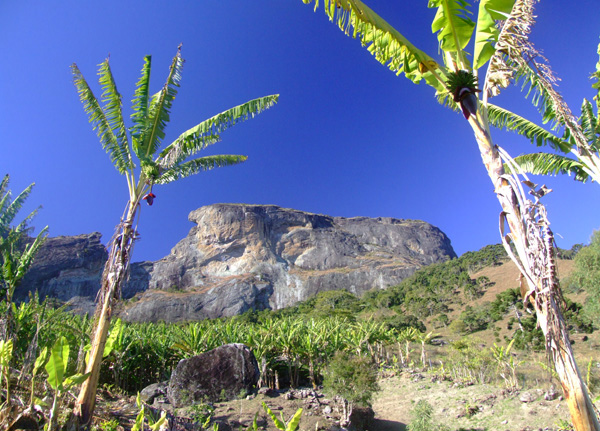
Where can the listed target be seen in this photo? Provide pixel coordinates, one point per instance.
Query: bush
(421, 418)
(353, 378)
(468, 362)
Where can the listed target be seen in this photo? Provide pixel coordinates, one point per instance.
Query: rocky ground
(460, 407)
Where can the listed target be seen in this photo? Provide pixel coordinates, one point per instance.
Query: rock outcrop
(217, 375)
(67, 268)
(242, 257)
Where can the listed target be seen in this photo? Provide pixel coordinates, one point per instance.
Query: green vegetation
(586, 276)
(352, 377)
(281, 424)
(17, 251)
(432, 290)
(422, 418)
(334, 339)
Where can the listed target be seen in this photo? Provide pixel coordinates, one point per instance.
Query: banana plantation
(290, 350)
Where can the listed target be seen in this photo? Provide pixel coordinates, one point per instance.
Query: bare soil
(467, 408)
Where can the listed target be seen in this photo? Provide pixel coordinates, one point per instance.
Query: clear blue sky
(348, 138)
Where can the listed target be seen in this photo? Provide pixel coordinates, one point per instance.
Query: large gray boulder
(226, 371)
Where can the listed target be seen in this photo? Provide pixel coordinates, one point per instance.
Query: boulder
(222, 373)
(361, 418)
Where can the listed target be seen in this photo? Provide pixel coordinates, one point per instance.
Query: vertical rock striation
(240, 257)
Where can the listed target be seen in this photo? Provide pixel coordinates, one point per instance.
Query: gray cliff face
(69, 268)
(242, 257)
(66, 267)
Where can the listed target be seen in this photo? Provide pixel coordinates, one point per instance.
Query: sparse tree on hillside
(501, 41)
(136, 153)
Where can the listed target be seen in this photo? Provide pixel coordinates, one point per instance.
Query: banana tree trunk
(532, 238)
(115, 272)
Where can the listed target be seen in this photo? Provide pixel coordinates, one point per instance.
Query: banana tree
(16, 256)
(501, 42)
(136, 153)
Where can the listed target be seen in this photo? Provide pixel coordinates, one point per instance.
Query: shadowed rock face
(242, 257)
(66, 267)
(69, 268)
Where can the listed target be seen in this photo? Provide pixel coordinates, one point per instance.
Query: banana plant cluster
(138, 354)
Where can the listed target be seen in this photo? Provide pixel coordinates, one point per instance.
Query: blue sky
(348, 138)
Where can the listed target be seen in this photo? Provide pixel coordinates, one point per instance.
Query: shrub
(421, 418)
(353, 378)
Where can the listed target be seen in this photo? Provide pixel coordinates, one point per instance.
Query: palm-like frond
(507, 120)
(382, 40)
(26, 259)
(551, 164)
(200, 164)
(589, 125)
(9, 208)
(517, 58)
(453, 26)
(14, 259)
(140, 105)
(513, 39)
(113, 109)
(208, 131)
(159, 110)
(446, 99)
(490, 11)
(99, 121)
(596, 85)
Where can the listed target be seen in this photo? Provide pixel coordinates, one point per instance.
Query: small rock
(268, 392)
(527, 397)
(149, 393)
(327, 410)
(416, 377)
(551, 394)
(504, 422)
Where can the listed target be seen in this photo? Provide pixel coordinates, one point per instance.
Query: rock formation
(217, 375)
(241, 257)
(67, 268)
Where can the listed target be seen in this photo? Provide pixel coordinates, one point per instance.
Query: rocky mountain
(240, 257)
